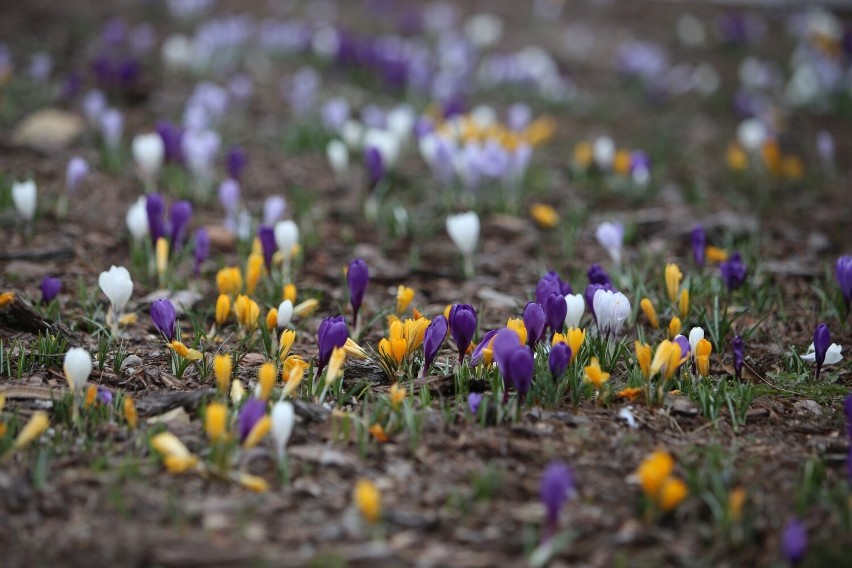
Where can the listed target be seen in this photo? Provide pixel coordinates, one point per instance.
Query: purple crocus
(546, 286)
(483, 344)
(273, 209)
(229, 196)
(534, 321)
(155, 207)
(77, 169)
(332, 333)
(822, 340)
(734, 272)
(737, 347)
(794, 541)
(357, 278)
(266, 234)
(556, 309)
(557, 484)
(843, 273)
(699, 245)
(171, 136)
(250, 414)
(474, 399)
(202, 248)
(164, 317)
(235, 162)
(597, 275)
(462, 326)
(375, 166)
(104, 396)
(514, 360)
(683, 343)
(560, 356)
(50, 287)
(433, 338)
(179, 215)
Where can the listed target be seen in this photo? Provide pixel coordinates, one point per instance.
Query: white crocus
(696, 334)
(148, 153)
(177, 52)
(611, 310)
(576, 306)
(400, 121)
(117, 287)
(24, 194)
(611, 237)
(283, 418)
(751, 134)
(77, 367)
(338, 158)
(137, 219)
(285, 314)
(386, 143)
(286, 237)
(463, 229)
(603, 152)
(832, 356)
(352, 133)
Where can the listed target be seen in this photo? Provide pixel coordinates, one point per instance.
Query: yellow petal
(258, 432)
(34, 428)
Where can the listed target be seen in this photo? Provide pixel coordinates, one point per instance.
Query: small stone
(48, 129)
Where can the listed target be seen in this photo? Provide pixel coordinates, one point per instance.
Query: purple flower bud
(699, 245)
(476, 356)
(556, 310)
(235, 162)
(357, 278)
(375, 166)
(179, 215)
(597, 275)
(334, 113)
(229, 196)
(50, 287)
(462, 326)
(843, 273)
(77, 169)
(557, 484)
(520, 368)
(474, 399)
(267, 243)
(560, 356)
(202, 248)
(737, 347)
(534, 321)
(251, 413)
(164, 317)
(433, 338)
(548, 284)
(332, 333)
(273, 209)
(734, 272)
(171, 136)
(822, 340)
(155, 208)
(104, 396)
(794, 541)
(683, 343)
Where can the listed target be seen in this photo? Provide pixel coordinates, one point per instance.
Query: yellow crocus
(162, 256)
(177, 456)
(702, 357)
(272, 319)
(238, 391)
(650, 312)
(91, 395)
(715, 254)
(413, 331)
(397, 395)
(229, 281)
(653, 472)
(683, 303)
(295, 371)
(33, 429)
(540, 130)
(517, 324)
(290, 293)
(621, 162)
(215, 418)
(354, 350)
(368, 500)
(674, 327)
(575, 337)
(394, 349)
(544, 216)
(185, 352)
(222, 368)
(404, 296)
(6, 298)
(253, 482)
(673, 278)
(583, 154)
(643, 356)
(247, 312)
(254, 268)
(736, 158)
(266, 379)
(335, 365)
(672, 492)
(306, 308)
(594, 374)
(223, 309)
(285, 343)
(130, 414)
(668, 358)
(736, 500)
(258, 432)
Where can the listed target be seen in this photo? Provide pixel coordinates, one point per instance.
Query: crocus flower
(50, 287)
(24, 195)
(171, 136)
(463, 229)
(462, 322)
(515, 361)
(433, 338)
(576, 305)
(611, 237)
(338, 158)
(683, 343)
(148, 153)
(375, 166)
(534, 322)
(117, 287)
(560, 356)
(822, 341)
(179, 215)
(357, 278)
(611, 310)
(286, 237)
(77, 169)
(137, 219)
(250, 414)
(235, 162)
(163, 315)
(794, 541)
(77, 367)
(589, 296)
(112, 126)
(479, 352)
(332, 333)
(843, 273)
(546, 285)
(266, 234)
(273, 209)
(557, 484)
(556, 310)
(699, 245)
(597, 275)
(734, 272)
(155, 208)
(202, 248)
(737, 347)
(474, 400)
(283, 418)
(285, 315)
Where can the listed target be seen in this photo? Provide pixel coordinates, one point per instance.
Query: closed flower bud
(24, 196)
(77, 367)
(117, 287)
(222, 368)
(283, 419)
(650, 312)
(223, 309)
(216, 417)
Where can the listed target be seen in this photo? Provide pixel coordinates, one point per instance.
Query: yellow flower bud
(672, 492)
(253, 482)
(229, 281)
(653, 471)
(6, 298)
(162, 256)
(285, 343)
(673, 278)
(33, 429)
(715, 254)
(290, 293)
(544, 216)
(215, 419)
(222, 367)
(335, 365)
(247, 312)
(594, 374)
(517, 324)
(683, 303)
(306, 308)
(621, 162)
(404, 296)
(254, 268)
(397, 395)
(185, 352)
(583, 154)
(258, 432)
(272, 319)
(223, 309)
(91, 395)
(736, 158)
(650, 312)
(266, 376)
(130, 415)
(674, 327)
(643, 356)
(369, 500)
(576, 337)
